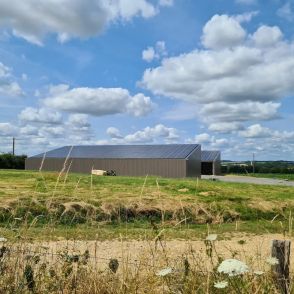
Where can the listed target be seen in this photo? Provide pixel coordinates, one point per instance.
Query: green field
(289, 177)
(48, 206)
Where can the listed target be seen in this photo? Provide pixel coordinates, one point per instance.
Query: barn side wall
(194, 164)
(217, 166)
(171, 168)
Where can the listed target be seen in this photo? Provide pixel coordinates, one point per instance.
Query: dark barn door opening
(207, 168)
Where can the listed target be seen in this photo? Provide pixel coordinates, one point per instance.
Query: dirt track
(254, 251)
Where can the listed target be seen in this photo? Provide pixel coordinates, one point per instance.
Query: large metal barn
(173, 161)
(210, 163)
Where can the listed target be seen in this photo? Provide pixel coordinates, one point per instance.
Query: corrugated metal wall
(194, 163)
(217, 166)
(171, 168)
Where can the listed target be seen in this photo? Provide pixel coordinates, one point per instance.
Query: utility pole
(13, 146)
(253, 162)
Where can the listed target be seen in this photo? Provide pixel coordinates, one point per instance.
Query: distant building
(210, 163)
(172, 161)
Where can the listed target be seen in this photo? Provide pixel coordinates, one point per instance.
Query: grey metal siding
(217, 166)
(171, 168)
(193, 167)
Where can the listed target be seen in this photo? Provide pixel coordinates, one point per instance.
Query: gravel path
(250, 180)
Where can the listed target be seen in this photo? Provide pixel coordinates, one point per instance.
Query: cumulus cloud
(7, 84)
(155, 134)
(68, 18)
(78, 122)
(114, 133)
(236, 77)
(222, 31)
(98, 101)
(225, 127)
(148, 54)
(7, 129)
(152, 53)
(243, 111)
(42, 115)
(209, 142)
(266, 36)
(256, 131)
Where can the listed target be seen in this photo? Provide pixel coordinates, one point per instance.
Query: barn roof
(173, 151)
(210, 155)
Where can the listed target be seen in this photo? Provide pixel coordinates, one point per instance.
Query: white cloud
(222, 31)
(78, 122)
(7, 129)
(68, 18)
(225, 127)
(149, 135)
(29, 130)
(42, 115)
(267, 36)
(114, 133)
(241, 78)
(256, 131)
(152, 53)
(7, 84)
(148, 54)
(98, 101)
(244, 111)
(155, 134)
(286, 12)
(203, 138)
(209, 142)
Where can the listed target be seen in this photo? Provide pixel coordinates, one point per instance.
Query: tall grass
(75, 267)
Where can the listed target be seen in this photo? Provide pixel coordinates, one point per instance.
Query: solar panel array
(210, 155)
(180, 151)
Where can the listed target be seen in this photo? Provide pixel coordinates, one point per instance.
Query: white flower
(2, 239)
(164, 272)
(258, 273)
(272, 260)
(233, 267)
(221, 285)
(211, 237)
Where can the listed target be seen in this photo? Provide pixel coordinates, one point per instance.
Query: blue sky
(215, 72)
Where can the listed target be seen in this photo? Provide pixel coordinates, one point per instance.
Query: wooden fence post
(281, 251)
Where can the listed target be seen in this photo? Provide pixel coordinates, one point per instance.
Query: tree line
(272, 167)
(10, 161)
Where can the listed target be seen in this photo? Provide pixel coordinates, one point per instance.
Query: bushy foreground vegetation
(9, 161)
(39, 270)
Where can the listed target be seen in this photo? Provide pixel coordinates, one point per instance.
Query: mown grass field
(50, 206)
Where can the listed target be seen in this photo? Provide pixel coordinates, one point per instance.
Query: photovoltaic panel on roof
(210, 155)
(123, 151)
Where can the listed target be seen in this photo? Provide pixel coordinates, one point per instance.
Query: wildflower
(2, 239)
(211, 237)
(164, 272)
(221, 285)
(258, 273)
(272, 260)
(233, 267)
